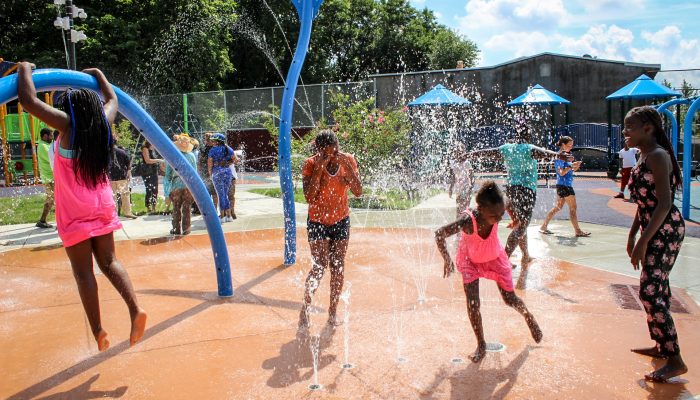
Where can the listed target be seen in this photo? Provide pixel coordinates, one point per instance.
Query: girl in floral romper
(654, 180)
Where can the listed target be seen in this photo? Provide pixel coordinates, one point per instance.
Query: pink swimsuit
(81, 213)
(483, 258)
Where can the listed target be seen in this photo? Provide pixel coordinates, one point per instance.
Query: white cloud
(665, 46)
(519, 43)
(512, 15)
(601, 41)
(668, 36)
(611, 6)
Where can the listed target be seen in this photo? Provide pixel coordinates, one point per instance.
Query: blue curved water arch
(307, 10)
(664, 109)
(54, 79)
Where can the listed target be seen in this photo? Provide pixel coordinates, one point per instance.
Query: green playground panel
(12, 126)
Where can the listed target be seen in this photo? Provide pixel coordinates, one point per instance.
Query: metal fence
(244, 108)
(591, 135)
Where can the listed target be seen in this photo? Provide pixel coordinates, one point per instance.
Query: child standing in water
(481, 255)
(565, 188)
(85, 214)
(461, 181)
(654, 181)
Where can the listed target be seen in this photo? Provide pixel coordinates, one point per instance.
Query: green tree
(449, 47)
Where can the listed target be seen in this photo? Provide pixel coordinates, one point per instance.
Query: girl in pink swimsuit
(85, 212)
(481, 255)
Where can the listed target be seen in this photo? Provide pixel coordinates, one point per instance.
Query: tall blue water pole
(307, 10)
(688, 155)
(50, 79)
(664, 109)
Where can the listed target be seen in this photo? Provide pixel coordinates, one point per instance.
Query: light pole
(65, 23)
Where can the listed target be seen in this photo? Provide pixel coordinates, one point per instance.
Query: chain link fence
(243, 109)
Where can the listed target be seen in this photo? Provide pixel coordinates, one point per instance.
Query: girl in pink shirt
(481, 255)
(85, 214)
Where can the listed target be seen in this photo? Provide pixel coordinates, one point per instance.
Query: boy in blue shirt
(565, 190)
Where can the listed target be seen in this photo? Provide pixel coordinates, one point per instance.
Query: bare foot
(478, 354)
(138, 326)
(674, 367)
(535, 330)
(334, 321)
(102, 341)
(649, 351)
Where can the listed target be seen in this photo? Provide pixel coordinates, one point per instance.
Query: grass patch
(27, 209)
(372, 200)
(277, 193)
(22, 210)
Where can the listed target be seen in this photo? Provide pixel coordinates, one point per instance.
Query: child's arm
(632, 237)
(27, 96)
(446, 231)
(111, 105)
(494, 153)
(312, 183)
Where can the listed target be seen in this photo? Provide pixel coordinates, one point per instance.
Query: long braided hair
(90, 136)
(648, 114)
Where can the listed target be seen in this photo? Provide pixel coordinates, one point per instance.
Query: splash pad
(247, 346)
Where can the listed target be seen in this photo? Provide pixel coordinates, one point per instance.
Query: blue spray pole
(664, 109)
(307, 10)
(52, 79)
(688, 155)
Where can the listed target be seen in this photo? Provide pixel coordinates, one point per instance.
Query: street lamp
(65, 23)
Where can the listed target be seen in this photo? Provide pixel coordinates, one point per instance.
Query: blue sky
(648, 31)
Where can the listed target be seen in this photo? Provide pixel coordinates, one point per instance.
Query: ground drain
(495, 347)
(627, 297)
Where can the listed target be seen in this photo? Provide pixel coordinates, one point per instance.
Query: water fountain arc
(54, 79)
(307, 10)
(664, 109)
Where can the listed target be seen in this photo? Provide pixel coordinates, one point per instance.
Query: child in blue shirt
(565, 191)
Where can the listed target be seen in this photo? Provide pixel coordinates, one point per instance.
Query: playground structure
(16, 130)
(48, 80)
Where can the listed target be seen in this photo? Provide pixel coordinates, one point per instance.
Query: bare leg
(557, 207)
(319, 262)
(80, 256)
(337, 250)
(512, 300)
(571, 202)
(474, 311)
(103, 248)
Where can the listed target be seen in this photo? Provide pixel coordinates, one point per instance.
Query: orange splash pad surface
(200, 346)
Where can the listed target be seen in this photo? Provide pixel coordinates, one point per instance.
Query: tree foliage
(170, 46)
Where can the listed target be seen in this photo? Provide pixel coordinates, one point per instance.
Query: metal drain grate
(627, 296)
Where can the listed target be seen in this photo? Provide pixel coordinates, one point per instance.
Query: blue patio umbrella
(642, 88)
(537, 95)
(439, 96)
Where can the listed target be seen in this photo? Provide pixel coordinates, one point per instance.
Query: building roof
(521, 59)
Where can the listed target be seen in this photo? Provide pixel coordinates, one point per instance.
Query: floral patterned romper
(663, 248)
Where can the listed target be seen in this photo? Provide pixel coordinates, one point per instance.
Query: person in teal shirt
(46, 173)
(520, 159)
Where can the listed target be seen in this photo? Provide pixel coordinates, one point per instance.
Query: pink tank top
(81, 213)
(476, 249)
